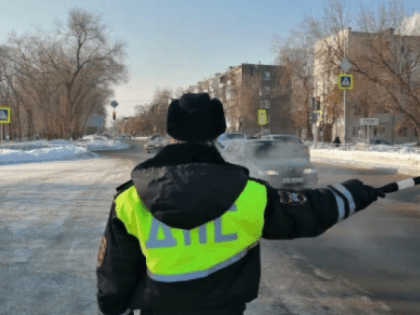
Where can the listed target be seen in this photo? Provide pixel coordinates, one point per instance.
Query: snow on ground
(42, 150)
(140, 138)
(403, 158)
(53, 218)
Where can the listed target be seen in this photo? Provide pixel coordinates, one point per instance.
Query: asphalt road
(376, 250)
(52, 216)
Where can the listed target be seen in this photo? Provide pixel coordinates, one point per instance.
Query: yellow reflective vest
(174, 254)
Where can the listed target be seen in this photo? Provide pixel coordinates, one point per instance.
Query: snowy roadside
(395, 160)
(53, 150)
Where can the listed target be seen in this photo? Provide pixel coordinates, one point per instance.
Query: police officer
(183, 234)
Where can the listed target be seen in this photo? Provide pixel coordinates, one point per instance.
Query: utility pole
(114, 104)
(345, 119)
(316, 123)
(345, 65)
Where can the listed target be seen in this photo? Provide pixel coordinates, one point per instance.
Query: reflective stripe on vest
(174, 255)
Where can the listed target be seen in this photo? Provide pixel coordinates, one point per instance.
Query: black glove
(363, 195)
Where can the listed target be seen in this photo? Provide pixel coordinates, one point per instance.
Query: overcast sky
(175, 43)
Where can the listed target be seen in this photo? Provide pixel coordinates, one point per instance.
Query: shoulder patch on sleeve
(102, 251)
(293, 198)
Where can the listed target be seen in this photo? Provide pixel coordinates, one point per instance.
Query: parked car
(156, 143)
(229, 137)
(282, 164)
(375, 141)
(232, 136)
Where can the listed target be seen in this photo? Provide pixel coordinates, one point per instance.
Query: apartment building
(352, 43)
(243, 90)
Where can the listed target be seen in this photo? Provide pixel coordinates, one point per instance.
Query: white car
(230, 137)
(282, 164)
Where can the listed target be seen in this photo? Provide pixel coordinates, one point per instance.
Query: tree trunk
(310, 135)
(30, 123)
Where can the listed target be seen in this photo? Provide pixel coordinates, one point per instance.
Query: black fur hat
(195, 118)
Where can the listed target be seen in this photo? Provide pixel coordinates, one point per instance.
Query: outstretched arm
(310, 212)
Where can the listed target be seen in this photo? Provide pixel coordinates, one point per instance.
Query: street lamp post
(114, 104)
(345, 65)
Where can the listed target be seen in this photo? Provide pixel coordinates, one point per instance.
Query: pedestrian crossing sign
(319, 117)
(4, 115)
(262, 117)
(345, 81)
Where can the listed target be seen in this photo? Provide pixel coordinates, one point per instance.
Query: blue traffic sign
(345, 81)
(4, 115)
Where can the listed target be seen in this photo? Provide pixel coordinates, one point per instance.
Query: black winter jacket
(201, 186)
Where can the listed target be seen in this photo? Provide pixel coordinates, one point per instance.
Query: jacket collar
(185, 153)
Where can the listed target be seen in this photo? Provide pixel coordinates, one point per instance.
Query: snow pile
(375, 157)
(38, 155)
(94, 137)
(105, 145)
(42, 150)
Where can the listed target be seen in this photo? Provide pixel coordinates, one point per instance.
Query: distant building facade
(243, 90)
(390, 127)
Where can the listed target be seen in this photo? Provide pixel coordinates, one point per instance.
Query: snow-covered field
(43, 150)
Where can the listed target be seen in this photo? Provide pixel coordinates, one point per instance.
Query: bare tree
(386, 53)
(296, 55)
(154, 117)
(60, 79)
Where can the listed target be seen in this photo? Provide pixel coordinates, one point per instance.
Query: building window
(230, 95)
(265, 104)
(267, 90)
(402, 132)
(358, 132)
(267, 76)
(380, 131)
(252, 70)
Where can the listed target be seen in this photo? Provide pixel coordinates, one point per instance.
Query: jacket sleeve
(121, 265)
(293, 214)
